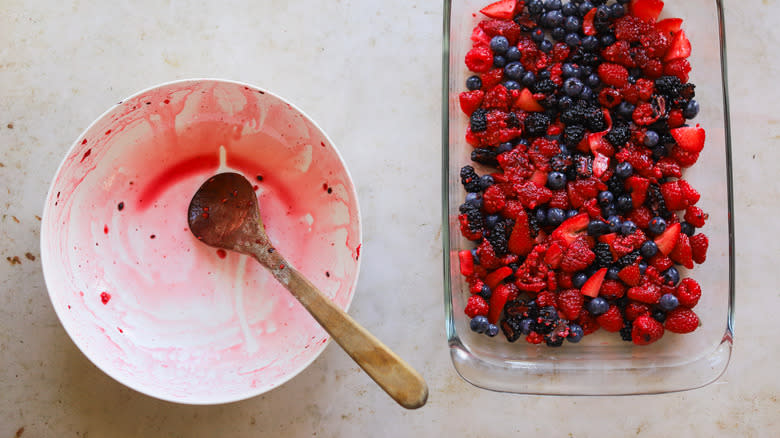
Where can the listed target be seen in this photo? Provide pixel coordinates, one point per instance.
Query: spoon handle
(399, 380)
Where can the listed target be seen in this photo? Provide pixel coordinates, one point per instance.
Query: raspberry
(612, 320)
(506, 28)
(645, 114)
(613, 74)
(612, 289)
(560, 200)
(673, 195)
(587, 322)
(679, 68)
(630, 275)
(646, 330)
(532, 195)
(681, 320)
(491, 78)
(471, 100)
(610, 97)
(534, 338)
(695, 216)
(479, 59)
(688, 293)
(669, 168)
(493, 199)
(646, 293)
(699, 245)
(619, 53)
(641, 216)
(476, 305)
(577, 256)
(630, 28)
(635, 310)
(570, 302)
(487, 255)
(683, 157)
(496, 98)
(661, 262)
(653, 69)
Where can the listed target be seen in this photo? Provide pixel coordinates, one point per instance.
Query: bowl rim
(44, 236)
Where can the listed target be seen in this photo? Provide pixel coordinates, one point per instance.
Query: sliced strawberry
(638, 186)
(526, 101)
(668, 239)
(520, 241)
(593, 284)
(682, 253)
(495, 277)
(554, 255)
(630, 275)
(680, 49)
(600, 165)
(571, 228)
(669, 26)
(466, 262)
(471, 100)
(501, 294)
(689, 138)
(609, 239)
(647, 10)
(598, 145)
(539, 177)
(502, 9)
(587, 23)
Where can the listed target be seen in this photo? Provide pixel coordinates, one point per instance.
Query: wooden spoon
(224, 213)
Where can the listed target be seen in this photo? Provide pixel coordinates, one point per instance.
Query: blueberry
(572, 87)
(535, 7)
(556, 180)
(499, 44)
(587, 70)
(492, 330)
(514, 71)
(648, 249)
(475, 256)
(512, 85)
(545, 46)
(529, 78)
(598, 306)
(513, 54)
(605, 198)
(572, 39)
(541, 216)
(552, 18)
(627, 228)
(585, 7)
(555, 216)
(691, 110)
(607, 40)
(624, 2)
(616, 10)
(486, 292)
(609, 210)
(544, 74)
(657, 225)
(672, 276)
(486, 181)
(571, 213)
(625, 110)
(492, 220)
(587, 93)
(597, 228)
(479, 324)
(572, 24)
(659, 152)
(624, 203)
(624, 169)
(602, 14)
(551, 5)
(473, 83)
(569, 70)
(687, 229)
(614, 223)
(575, 333)
(590, 43)
(558, 33)
(565, 102)
(474, 199)
(537, 35)
(642, 267)
(612, 273)
(651, 138)
(504, 147)
(593, 80)
(579, 279)
(569, 9)
(525, 325)
(499, 61)
(668, 302)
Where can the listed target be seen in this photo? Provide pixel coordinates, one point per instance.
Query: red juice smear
(221, 253)
(201, 164)
(105, 229)
(105, 297)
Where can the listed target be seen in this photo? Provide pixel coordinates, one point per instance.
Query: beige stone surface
(369, 73)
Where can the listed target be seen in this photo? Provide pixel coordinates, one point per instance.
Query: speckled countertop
(369, 73)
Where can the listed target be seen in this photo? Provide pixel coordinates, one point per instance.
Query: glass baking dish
(601, 364)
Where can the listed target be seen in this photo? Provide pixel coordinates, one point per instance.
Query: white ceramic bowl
(145, 301)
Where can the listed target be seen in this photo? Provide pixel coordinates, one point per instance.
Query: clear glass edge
(723, 350)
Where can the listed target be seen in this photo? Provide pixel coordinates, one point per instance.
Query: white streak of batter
(222, 160)
(238, 287)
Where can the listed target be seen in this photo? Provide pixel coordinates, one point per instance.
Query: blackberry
(498, 238)
(616, 186)
(561, 162)
(573, 134)
(619, 135)
(533, 225)
(545, 323)
(576, 114)
(553, 341)
(512, 121)
(655, 201)
(478, 120)
(536, 124)
(544, 86)
(668, 86)
(514, 308)
(603, 255)
(625, 332)
(470, 179)
(474, 217)
(511, 328)
(688, 91)
(628, 259)
(595, 121)
(485, 156)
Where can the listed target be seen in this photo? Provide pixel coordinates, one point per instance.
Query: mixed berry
(578, 117)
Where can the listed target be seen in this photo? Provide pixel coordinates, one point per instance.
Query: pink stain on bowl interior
(185, 322)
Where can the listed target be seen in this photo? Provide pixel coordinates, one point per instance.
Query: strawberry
(634, 310)
(570, 302)
(520, 241)
(669, 168)
(539, 177)
(688, 293)
(668, 239)
(554, 255)
(673, 195)
(637, 186)
(646, 330)
(526, 101)
(479, 37)
(598, 145)
(502, 9)
(647, 10)
(466, 262)
(680, 49)
(493, 199)
(660, 262)
(501, 294)
(647, 293)
(678, 67)
(630, 275)
(699, 245)
(495, 277)
(612, 289)
(577, 256)
(682, 252)
(507, 28)
(471, 100)
(681, 320)
(695, 216)
(593, 284)
(613, 74)
(641, 216)
(600, 165)
(587, 23)
(479, 59)
(476, 305)
(612, 320)
(669, 26)
(689, 138)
